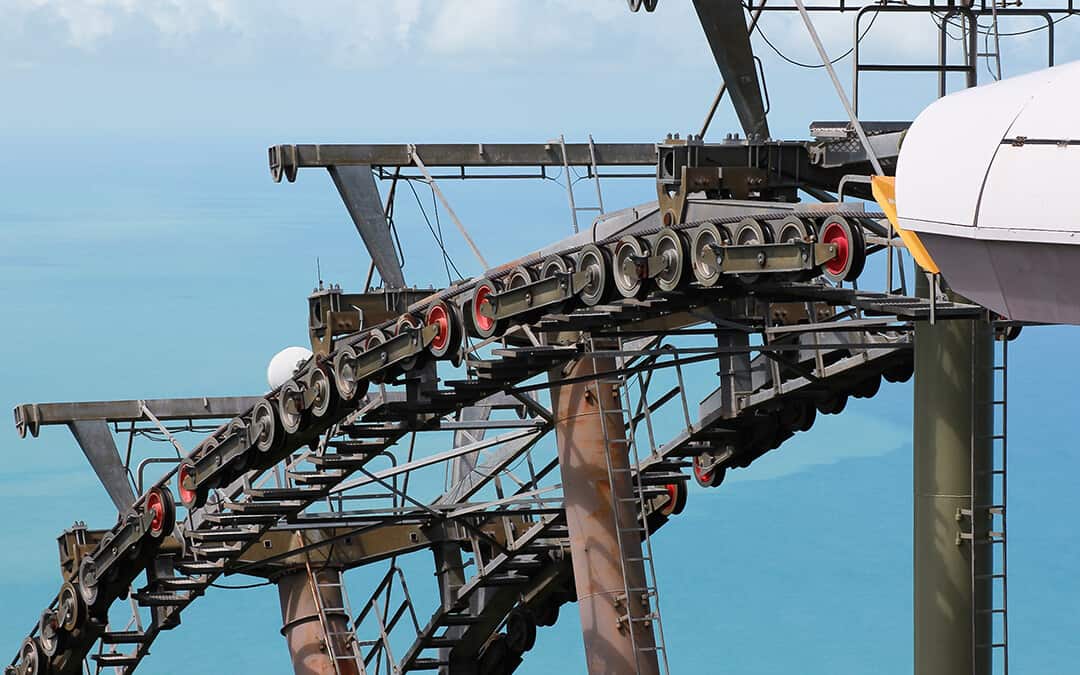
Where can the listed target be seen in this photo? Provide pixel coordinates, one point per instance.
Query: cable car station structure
(791, 305)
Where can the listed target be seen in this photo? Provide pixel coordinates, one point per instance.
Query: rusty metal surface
(302, 625)
(594, 545)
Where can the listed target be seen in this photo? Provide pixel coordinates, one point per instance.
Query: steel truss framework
(259, 511)
(332, 470)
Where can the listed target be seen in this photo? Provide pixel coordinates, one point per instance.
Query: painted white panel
(949, 148)
(1055, 111)
(1032, 187)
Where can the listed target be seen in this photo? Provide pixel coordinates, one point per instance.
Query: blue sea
(143, 268)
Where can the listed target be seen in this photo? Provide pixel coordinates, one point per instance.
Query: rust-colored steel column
(302, 628)
(594, 544)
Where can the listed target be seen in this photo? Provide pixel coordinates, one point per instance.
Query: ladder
(341, 645)
(637, 530)
(593, 173)
(993, 58)
(989, 511)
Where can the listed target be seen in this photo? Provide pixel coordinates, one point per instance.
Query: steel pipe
(305, 635)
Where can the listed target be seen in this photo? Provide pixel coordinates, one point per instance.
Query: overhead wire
(800, 64)
(442, 237)
(984, 30)
(447, 259)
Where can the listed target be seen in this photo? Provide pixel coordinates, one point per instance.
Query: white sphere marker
(285, 364)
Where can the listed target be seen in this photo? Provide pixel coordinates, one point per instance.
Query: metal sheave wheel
(832, 404)
(69, 607)
(851, 249)
(193, 497)
(50, 635)
(160, 502)
(702, 259)
(319, 383)
(867, 388)
(265, 431)
(627, 273)
(552, 266)
(520, 631)
(291, 409)
(31, 659)
(88, 581)
(448, 337)
(374, 341)
(518, 277)
(793, 229)
(671, 247)
(348, 386)
(484, 295)
(750, 231)
(676, 499)
(708, 477)
(594, 261)
(405, 323)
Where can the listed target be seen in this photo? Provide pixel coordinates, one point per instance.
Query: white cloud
(469, 33)
(343, 33)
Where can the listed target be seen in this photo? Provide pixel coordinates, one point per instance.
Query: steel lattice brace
(307, 412)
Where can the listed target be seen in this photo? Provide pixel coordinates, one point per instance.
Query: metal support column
(953, 462)
(302, 623)
(592, 522)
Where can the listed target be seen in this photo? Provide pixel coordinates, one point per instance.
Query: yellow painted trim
(884, 189)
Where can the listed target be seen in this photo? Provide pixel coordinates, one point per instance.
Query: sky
(144, 252)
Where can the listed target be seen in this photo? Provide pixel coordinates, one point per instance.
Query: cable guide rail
(661, 273)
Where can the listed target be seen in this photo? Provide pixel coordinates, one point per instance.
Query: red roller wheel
(676, 500)
(850, 249)
(483, 294)
(160, 503)
(711, 477)
(191, 497)
(448, 336)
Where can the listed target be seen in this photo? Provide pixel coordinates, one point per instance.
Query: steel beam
(97, 444)
(32, 415)
(356, 185)
(594, 542)
(463, 154)
(728, 36)
(952, 460)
